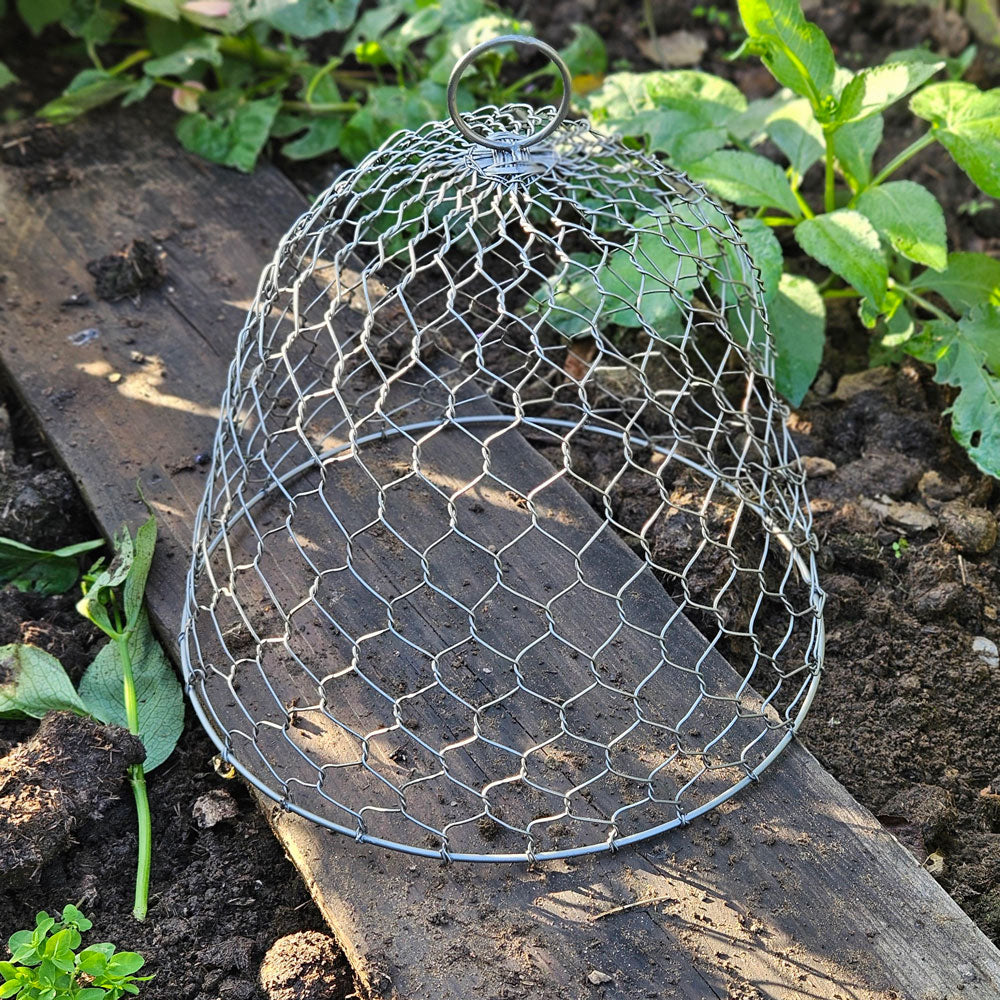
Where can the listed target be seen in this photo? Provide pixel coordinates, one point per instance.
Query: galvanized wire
(457, 592)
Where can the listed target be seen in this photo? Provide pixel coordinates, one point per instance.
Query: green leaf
(162, 8)
(6, 76)
(873, 90)
(88, 89)
(795, 50)
(125, 963)
(387, 110)
(72, 916)
(749, 125)
(794, 130)
(910, 218)
(236, 138)
(962, 353)
(39, 570)
(33, 682)
(682, 113)
(10, 988)
(161, 702)
(855, 145)
(135, 580)
(709, 100)
(323, 135)
(969, 280)
(38, 14)
(847, 243)
(765, 252)
(586, 53)
(309, 18)
(746, 179)
(797, 320)
(966, 122)
(91, 993)
(177, 63)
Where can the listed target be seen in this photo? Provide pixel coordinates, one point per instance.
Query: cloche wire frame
(505, 552)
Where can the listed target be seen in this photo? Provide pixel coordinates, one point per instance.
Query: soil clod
(304, 966)
(64, 775)
(971, 529)
(126, 274)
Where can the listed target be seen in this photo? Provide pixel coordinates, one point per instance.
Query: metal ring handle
(463, 64)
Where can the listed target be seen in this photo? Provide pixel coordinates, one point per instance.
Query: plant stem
(829, 191)
(137, 779)
(252, 51)
(779, 220)
(317, 108)
(897, 161)
(841, 293)
(803, 205)
(129, 61)
(923, 303)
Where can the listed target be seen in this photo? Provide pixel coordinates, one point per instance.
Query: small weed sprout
(45, 963)
(900, 547)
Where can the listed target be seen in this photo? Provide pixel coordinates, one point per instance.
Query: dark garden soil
(908, 710)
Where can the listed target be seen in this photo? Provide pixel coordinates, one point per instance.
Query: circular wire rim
(208, 719)
(509, 144)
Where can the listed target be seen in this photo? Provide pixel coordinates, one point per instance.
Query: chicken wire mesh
(505, 552)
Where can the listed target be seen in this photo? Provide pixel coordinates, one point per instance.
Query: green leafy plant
(881, 241)
(45, 963)
(39, 570)
(130, 683)
(900, 547)
(245, 72)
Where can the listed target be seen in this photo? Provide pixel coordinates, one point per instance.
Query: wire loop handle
(508, 143)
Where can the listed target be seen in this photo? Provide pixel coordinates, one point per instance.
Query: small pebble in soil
(986, 650)
(598, 978)
(214, 807)
(971, 529)
(815, 467)
(84, 336)
(305, 966)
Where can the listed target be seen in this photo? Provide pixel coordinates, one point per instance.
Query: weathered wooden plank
(792, 890)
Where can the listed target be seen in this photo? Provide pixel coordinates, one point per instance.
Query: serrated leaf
(309, 18)
(966, 122)
(969, 280)
(794, 130)
(910, 218)
(855, 145)
(873, 90)
(749, 125)
(178, 62)
(158, 691)
(795, 50)
(236, 138)
(33, 682)
(957, 351)
(45, 572)
(746, 179)
(847, 243)
(797, 320)
(707, 99)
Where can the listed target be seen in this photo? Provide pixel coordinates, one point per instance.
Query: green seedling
(900, 547)
(244, 74)
(130, 683)
(880, 241)
(45, 963)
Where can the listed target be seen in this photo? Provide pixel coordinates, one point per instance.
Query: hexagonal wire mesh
(462, 590)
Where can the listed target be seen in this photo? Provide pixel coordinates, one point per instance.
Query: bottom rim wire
(194, 675)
